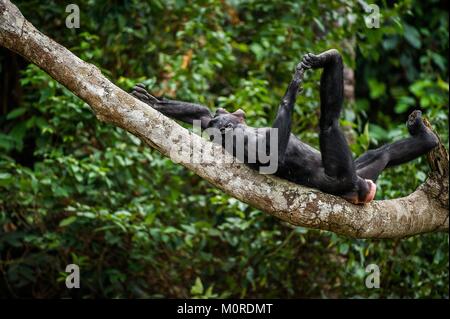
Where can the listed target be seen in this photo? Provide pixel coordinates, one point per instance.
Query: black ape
(331, 170)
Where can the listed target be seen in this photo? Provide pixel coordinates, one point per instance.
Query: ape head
(224, 120)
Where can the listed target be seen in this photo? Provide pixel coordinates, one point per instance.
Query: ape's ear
(240, 114)
(221, 111)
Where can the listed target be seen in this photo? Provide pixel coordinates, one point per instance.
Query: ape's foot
(141, 93)
(417, 128)
(311, 61)
(415, 123)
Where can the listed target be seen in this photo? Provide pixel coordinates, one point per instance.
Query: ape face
(223, 120)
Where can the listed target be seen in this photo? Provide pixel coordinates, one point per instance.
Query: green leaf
(439, 60)
(377, 132)
(377, 88)
(343, 248)
(16, 113)
(412, 36)
(67, 221)
(258, 50)
(6, 142)
(421, 176)
(5, 176)
(403, 104)
(197, 288)
(319, 24)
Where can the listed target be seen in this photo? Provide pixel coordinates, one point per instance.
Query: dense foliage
(74, 190)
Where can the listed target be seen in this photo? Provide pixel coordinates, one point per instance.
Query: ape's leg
(340, 174)
(283, 119)
(179, 110)
(422, 140)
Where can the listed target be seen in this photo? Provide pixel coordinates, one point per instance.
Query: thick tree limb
(425, 210)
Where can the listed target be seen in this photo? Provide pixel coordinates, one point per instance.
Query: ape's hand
(141, 94)
(298, 75)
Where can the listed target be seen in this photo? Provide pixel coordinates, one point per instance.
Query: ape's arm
(283, 119)
(178, 110)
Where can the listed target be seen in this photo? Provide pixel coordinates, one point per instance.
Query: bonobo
(332, 170)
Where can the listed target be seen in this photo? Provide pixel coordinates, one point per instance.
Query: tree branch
(425, 210)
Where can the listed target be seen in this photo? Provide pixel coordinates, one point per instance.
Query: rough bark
(425, 210)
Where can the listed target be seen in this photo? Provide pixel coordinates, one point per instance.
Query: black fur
(331, 170)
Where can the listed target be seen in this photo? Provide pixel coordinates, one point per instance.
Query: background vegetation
(74, 190)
